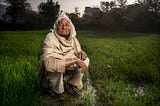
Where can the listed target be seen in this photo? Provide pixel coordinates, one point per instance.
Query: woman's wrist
(77, 60)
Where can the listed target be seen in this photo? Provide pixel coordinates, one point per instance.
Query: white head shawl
(65, 45)
(63, 15)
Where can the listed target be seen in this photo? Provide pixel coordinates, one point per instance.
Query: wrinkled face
(63, 27)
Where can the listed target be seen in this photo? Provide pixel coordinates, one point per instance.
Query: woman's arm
(80, 63)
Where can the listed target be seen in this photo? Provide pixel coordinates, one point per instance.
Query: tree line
(114, 15)
(141, 16)
(20, 16)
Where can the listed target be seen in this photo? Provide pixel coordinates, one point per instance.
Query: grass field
(125, 67)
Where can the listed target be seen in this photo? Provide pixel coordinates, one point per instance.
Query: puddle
(90, 93)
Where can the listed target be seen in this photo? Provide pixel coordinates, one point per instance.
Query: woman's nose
(63, 27)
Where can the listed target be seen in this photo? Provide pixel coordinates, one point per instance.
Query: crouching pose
(62, 62)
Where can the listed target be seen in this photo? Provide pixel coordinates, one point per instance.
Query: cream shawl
(57, 46)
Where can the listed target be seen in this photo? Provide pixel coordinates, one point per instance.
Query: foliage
(143, 17)
(21, 17)
(17, 9)
(122, 3)
(124, 67)
(153, 5)
(105, 6)
(49, 10)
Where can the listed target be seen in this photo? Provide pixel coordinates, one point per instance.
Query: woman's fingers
(82, 55)
(83, 66)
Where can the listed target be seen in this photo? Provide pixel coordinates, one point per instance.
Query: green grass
(125, 67)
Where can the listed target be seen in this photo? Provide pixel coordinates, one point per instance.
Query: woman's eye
(63, 25)
(60, 25)
(67, 25)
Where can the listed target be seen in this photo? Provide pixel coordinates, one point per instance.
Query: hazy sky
(69, 5)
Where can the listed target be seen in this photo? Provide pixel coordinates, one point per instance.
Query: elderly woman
(63, 62)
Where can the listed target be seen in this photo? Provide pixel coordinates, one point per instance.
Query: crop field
(124, 68)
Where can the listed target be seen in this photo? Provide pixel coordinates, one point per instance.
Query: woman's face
(63, 27)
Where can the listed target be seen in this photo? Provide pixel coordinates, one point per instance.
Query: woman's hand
(70, 61)
(82, 65)
(82, 55)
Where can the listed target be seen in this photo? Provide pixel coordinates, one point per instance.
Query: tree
(16, 10)
(105, 6)
(49, 10)
(154, 5)
(112, 4)
(122, 3)
(76, 11)
(74, 16)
